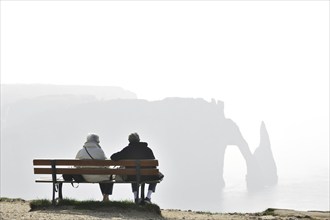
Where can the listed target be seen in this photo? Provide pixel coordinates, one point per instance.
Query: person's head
(134, 138)
(93, 138)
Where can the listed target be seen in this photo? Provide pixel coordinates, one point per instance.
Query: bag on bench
(119, 178)
(73, 177)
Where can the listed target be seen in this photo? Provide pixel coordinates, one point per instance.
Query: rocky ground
(20, 209)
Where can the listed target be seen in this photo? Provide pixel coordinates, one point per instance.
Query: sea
(304, 193)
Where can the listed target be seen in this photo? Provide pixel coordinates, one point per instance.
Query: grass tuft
(39, 203)
(94, 205)
(204, 212)
(269, 211)
(5, 199)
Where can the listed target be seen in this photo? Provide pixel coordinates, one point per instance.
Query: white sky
(267, 60)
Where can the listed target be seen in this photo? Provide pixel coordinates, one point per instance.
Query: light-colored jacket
(98, 154)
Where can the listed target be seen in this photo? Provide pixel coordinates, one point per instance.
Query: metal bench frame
(54, 167)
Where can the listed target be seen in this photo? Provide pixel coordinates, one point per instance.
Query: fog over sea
(308, 191)
(192, 138)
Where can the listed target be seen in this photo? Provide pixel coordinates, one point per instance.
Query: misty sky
(268, 61)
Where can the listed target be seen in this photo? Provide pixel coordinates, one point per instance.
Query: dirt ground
(20, 209)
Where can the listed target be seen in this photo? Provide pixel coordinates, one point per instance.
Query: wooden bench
(57, 167)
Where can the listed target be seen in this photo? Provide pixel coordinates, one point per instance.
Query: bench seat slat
(68, 162)
(95, 171)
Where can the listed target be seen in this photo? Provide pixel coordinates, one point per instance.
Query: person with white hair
(137, 150)
(93, 151)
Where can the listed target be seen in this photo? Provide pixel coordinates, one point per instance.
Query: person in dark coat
(137, 150)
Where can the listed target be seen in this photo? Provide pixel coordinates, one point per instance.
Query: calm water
(299, 194)
(302, 192)
(291, 193)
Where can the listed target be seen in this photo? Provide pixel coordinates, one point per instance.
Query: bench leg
(54, 190)
(60, 196)
(57, 187)
(137, 200)
(142, 191)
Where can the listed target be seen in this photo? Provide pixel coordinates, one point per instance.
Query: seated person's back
(137, 150)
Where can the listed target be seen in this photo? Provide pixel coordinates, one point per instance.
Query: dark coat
(139, 150)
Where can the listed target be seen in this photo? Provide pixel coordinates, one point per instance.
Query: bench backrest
(101, 167)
